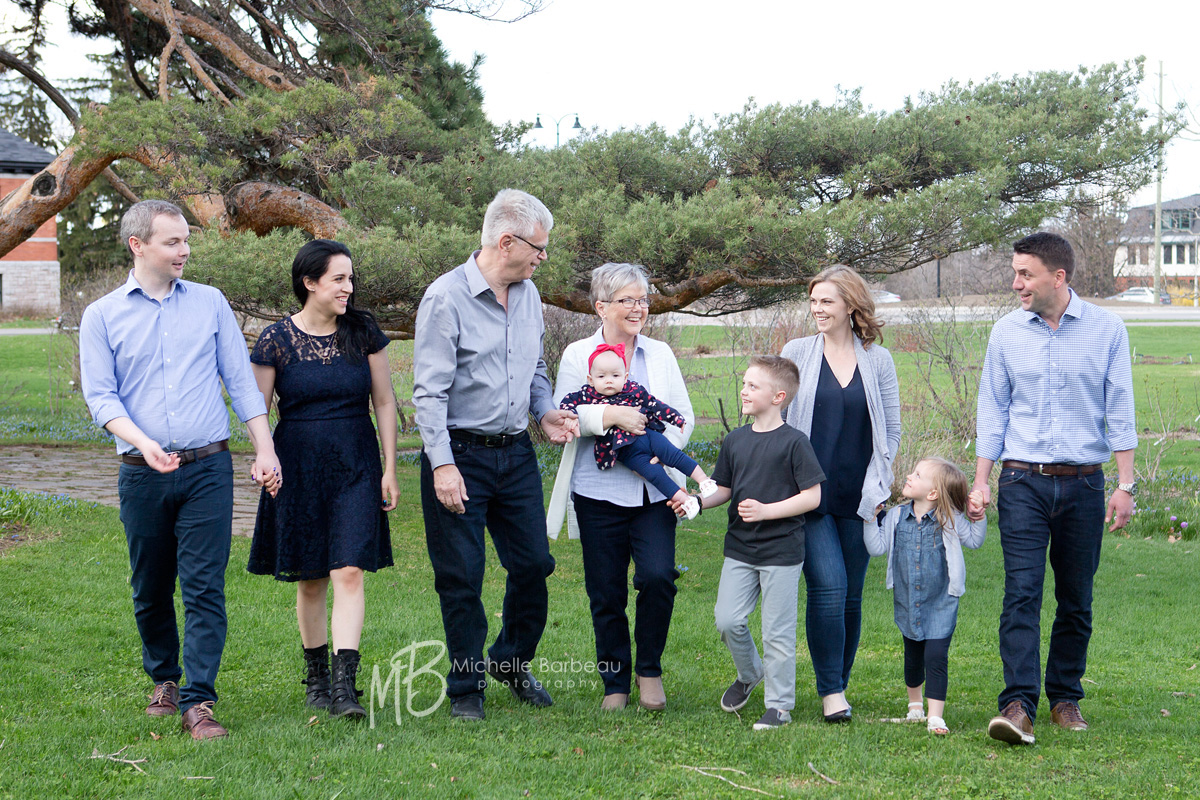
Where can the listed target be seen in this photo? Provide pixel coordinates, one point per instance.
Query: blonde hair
(857, 297)
(951, 486)
(782, 372)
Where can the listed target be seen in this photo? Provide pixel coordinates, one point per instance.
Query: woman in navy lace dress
(328, 523)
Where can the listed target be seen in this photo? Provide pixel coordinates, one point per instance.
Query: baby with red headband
(608, 383)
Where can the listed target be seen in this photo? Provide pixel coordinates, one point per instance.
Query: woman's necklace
(326, 351)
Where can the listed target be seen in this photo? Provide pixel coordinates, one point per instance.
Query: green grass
(73, 685)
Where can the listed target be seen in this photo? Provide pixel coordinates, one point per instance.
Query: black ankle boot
(317, 661)
(344, 701)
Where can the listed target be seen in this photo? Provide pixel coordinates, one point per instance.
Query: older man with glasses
(479, 373)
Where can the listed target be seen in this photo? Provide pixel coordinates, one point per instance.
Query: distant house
(29, 275)
(1134, 259)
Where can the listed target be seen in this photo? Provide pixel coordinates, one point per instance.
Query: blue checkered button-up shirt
(1060, 396)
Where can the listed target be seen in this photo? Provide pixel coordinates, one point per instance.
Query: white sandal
(937, 726)
(916, 712)
(708, 488)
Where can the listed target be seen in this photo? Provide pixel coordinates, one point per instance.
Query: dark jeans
(835, 568)
(1065, 514)
(637, 454)
(609, 535)
(179, 524)
(505, 492)
(927, 662)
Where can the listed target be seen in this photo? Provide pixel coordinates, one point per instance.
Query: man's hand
(266, 473)
(157, 458)
(450, 488)
(561, 426)
(1120, 509)
(978, 501)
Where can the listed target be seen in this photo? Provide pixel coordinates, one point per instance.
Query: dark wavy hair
(355, 328)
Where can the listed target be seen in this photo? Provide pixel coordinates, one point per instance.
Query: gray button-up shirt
(477, 367)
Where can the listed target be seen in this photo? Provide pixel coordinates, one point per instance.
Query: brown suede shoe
(164, 700)
(1012, 726)
(615, 701)
(1066, 715)
(198, 721)
(650, 693)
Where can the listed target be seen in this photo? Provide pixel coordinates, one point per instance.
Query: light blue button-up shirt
(158, 363)
(1060, 396)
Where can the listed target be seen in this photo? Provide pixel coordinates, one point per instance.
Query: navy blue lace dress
(328, 514)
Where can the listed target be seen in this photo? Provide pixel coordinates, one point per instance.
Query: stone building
(29, 274)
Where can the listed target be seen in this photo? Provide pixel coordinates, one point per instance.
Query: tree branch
(177, 42)
(261, 207)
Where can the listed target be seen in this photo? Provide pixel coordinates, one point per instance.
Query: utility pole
(1158, 251)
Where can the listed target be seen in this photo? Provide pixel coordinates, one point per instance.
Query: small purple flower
(1173, 518)
(1183, 525)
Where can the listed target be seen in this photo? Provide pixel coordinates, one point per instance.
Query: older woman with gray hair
(621, 516)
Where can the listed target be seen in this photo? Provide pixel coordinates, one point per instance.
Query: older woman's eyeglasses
(629, 302)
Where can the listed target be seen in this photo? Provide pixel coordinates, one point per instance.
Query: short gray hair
(516, 212)
(608, 279)
(139, 219)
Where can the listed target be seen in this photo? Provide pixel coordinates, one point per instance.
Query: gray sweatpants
(741, 585)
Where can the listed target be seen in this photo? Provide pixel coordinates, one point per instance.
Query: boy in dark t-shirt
(769, 474)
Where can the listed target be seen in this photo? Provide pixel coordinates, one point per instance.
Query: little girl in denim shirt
(923, 541)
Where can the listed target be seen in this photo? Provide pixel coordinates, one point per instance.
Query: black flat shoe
(469, 707)
(839, 716)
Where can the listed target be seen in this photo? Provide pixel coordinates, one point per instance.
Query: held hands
(450, 488)
(266, 474)
(561, 426)
(1120, 509)
(978, 501)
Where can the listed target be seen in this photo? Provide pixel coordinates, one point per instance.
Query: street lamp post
(537, 125)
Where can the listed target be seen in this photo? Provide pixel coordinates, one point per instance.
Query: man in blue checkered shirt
(1055, 403)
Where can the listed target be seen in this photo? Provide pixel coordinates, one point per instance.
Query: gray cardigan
(883, 404)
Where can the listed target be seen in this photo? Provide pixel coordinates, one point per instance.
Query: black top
(767, 467)
(841, 438)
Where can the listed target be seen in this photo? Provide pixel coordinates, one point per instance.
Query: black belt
(1052, 469)
(486, 439)
(185, 456)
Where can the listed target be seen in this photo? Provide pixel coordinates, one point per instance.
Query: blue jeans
(609, 535)
(179, 524)
(1066, 515)
(505, 492)
(835, 568)
(637, 454)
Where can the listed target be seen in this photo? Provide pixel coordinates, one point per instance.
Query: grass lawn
(73, 687)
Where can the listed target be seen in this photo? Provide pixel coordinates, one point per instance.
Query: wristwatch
(1128, 487)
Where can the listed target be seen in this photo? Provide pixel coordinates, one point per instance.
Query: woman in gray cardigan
(849, 405)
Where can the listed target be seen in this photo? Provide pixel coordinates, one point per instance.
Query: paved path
(89, 474)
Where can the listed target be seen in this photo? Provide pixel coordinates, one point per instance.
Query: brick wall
(29, 274)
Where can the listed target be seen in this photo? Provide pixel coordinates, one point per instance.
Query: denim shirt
(924, 607)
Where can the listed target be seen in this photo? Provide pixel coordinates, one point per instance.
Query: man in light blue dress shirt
(478, 374)
(153, 355)
(1055, 403)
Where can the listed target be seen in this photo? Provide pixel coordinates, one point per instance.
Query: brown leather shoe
(1066, 715)
(1013, 725)
(198, 721)
(164, 700)
(615, 701)
(650, 693)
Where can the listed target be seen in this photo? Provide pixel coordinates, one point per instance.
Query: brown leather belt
(185, 456)
(1052, 469)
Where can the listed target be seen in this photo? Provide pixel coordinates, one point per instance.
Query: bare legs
(349, 606)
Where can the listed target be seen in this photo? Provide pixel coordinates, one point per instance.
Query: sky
(626, 63)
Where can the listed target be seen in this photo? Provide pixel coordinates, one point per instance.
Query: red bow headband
(619, 349)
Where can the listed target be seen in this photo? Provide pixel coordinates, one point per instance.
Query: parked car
(884, 296)
(1141, 294)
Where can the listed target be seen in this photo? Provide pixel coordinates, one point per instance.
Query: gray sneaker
(774, 718)
(737, 695)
